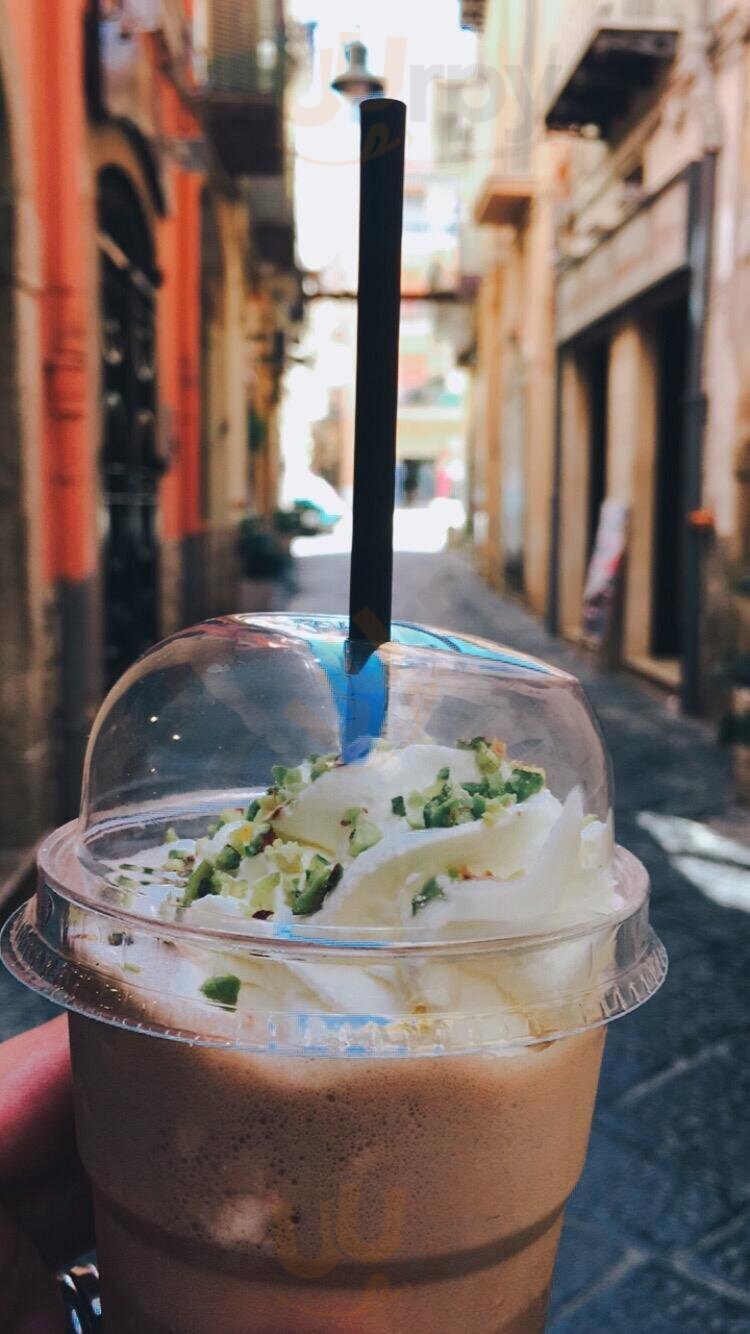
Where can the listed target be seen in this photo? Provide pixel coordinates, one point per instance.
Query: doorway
(129, 457)
(669, 483)
(596, 370)
(513, 486)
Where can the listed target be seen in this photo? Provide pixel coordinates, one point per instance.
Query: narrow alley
(658, 1228)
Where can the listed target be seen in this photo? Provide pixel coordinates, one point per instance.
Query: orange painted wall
(49, 42)
(179, 356)
(48, 37)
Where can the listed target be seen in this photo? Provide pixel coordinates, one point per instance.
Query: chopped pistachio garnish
(287, 783)
(415, 810)
(286, 855)
(269, 803)
(223, 990)
(228, 859)
(320, 764)
(364, 835)
(495, 806)
(241, 835)
(261, 840)
(200, 883)
(119, 938)
(320, 878)
(428, 893)
(451, 806)
(291, 874)
(226, 884)
(488, 760)
(263, 891)
(526, 781)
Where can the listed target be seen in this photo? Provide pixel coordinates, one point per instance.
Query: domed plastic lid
(204, 717)
(279, 828)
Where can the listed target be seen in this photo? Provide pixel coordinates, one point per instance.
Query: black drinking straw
(383, 135)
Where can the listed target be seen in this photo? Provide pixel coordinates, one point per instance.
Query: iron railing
(239, 48)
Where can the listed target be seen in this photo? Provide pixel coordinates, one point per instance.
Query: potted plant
(265, 564)
(288, 524)
(735, 728)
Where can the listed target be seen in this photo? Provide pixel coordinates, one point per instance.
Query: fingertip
(36, 1100)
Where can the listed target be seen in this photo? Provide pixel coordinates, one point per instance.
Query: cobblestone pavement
(657, 1239)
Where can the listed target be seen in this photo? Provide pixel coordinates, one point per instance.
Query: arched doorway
(129, 459)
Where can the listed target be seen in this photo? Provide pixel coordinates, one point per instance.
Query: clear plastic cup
(379, 1127)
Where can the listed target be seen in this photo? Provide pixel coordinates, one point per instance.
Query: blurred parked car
(319, 505)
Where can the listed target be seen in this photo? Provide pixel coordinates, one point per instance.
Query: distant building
(146, 283)
(435, 257)
(612, 319)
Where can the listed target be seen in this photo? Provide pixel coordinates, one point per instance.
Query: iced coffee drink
(336, 1033)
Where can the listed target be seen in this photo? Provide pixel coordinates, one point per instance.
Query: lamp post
(357, 82)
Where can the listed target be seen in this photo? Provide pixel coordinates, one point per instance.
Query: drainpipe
(700, 241)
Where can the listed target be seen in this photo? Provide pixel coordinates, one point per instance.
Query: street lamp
(357, 82)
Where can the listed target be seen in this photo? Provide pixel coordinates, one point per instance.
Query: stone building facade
(143, 307)
(614, 186)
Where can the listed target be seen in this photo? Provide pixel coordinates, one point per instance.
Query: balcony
(505, 195)
(609, 52)
(504, 201)
(239, 71)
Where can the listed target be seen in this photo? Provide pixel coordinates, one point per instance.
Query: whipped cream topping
(454, 841)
